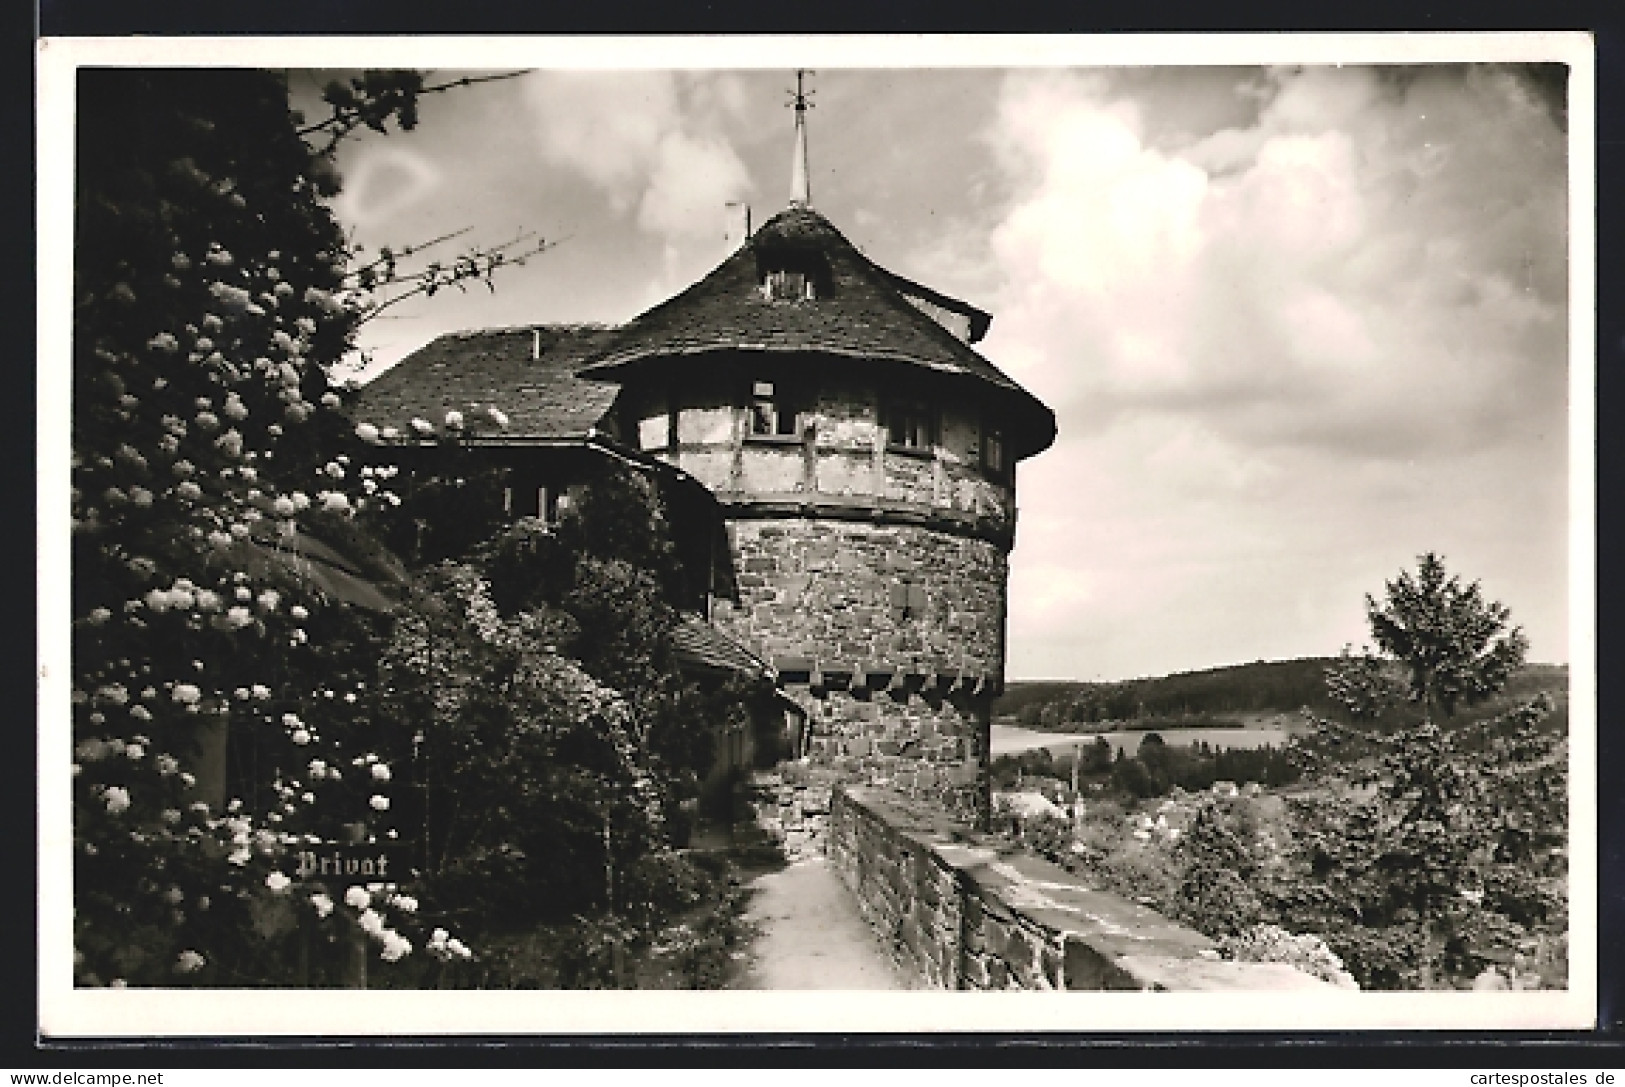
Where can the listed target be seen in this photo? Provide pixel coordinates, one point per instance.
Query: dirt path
(811, 936)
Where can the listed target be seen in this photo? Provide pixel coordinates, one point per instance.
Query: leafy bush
(1271, 943)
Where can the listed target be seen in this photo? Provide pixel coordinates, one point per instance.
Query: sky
(1298, 325)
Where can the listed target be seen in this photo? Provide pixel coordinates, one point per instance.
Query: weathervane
(801, 99)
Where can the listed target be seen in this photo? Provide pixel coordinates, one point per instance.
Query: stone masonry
(962, 910)
(872, 578)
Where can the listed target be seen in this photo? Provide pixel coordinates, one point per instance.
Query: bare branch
(469, 81)
(477, 264)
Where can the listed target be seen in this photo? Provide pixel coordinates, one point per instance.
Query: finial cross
(801, 98)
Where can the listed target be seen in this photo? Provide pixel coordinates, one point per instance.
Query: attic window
(784, 285)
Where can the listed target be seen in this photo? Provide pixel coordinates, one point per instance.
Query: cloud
(653, 143)
(1286, 355)
(1371, 265)
(690, 182)
(384, 182)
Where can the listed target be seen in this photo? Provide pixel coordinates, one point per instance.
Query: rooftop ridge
(550, 326)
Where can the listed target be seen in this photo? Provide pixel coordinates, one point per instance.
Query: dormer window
(770, 414)
(792, 273)
(788, 286)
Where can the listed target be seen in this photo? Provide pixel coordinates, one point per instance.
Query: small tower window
(910, 426)
(771, 416)
(994, 458)
(907, 600)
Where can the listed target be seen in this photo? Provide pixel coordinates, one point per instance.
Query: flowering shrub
(223, 708)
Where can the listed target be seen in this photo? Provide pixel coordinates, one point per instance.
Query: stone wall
(850, 595)
(890, 636)
(967, 911)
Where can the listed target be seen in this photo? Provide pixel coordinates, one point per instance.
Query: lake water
(1010, 739)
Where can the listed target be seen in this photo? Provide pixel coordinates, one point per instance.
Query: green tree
(1447, 858)
(1455, 645)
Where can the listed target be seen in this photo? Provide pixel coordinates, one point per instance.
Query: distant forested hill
(1218, 695)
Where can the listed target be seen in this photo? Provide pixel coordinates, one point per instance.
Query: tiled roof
(699, 645)
(469, 371)
(280, 549)
(859, 313)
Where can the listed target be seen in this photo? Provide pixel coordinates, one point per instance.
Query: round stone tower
(864, 455)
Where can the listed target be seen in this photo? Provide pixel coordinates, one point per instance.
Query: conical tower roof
(857, 310)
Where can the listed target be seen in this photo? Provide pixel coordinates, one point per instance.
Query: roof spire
(800, 190)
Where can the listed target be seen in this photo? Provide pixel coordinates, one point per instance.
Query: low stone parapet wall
(967, 911)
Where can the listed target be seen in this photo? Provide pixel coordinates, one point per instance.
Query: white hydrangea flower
(379, 803)
(117, 798)
(366, 432)
(277, 882)
(395, 947)
(357, 898)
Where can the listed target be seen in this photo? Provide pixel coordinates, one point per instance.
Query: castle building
(862, 455)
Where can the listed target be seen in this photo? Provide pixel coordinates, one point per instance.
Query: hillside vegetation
(1213, 696)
